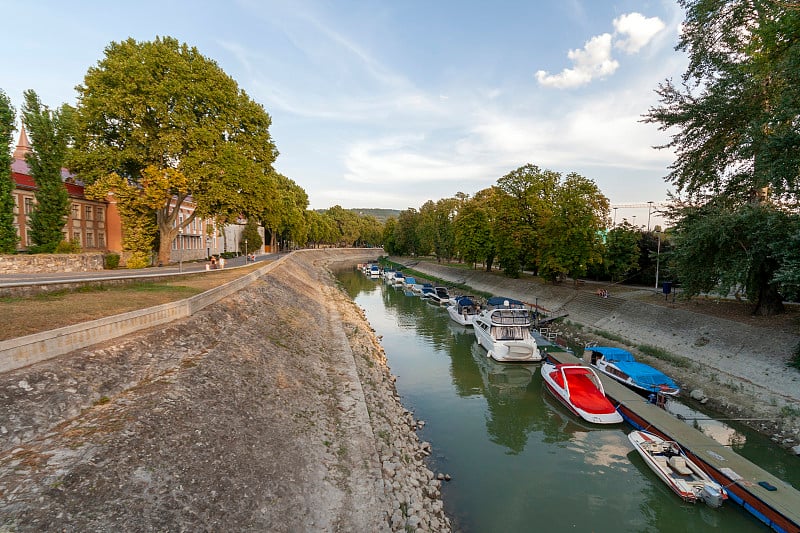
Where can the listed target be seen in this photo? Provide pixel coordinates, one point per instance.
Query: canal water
(518, 460)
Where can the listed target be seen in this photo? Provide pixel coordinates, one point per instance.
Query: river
(518, 460)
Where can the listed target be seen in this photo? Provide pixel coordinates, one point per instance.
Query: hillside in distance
(381, 214)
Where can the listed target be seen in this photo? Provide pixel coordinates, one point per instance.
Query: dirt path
(271, 411)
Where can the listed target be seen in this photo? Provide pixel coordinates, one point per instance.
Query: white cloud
(638, 29)
(592, 61)
(632, 32)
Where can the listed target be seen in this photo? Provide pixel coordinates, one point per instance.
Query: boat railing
(510, 317)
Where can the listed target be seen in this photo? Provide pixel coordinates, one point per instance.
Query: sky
(389, 104)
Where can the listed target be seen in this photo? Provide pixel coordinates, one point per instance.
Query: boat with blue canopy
(620, 364)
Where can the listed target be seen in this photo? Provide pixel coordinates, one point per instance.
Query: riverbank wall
(272, 410)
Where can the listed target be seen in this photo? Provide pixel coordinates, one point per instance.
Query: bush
(111, 261)
(138, 260)
(68, 247)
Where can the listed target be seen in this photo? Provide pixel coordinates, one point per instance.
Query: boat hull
(601, 410)
(674, 468)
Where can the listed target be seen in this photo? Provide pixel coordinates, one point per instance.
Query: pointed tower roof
(23, 146)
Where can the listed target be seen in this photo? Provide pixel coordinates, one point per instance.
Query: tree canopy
(51, 133)
(172, 124)
(8, 233)
(734, 121)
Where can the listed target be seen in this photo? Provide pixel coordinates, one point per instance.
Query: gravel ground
(270, 411)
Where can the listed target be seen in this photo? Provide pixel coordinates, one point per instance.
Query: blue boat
(620, 365)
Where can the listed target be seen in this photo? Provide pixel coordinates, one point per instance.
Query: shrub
(68, 247)
(111, 261)
(138, 260)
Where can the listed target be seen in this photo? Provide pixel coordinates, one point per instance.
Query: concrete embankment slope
(750, 359)
(271, 409)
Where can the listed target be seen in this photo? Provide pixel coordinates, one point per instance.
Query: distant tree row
(531, 219)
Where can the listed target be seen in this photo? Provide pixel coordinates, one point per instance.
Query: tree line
(734, 118)
(158, 125)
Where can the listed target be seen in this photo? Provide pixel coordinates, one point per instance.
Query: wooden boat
(683, 476)
(620, 365)
(580, 390)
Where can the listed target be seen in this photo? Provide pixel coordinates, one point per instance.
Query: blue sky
(393, 103)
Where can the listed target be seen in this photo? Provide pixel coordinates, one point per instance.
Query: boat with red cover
(580, 390)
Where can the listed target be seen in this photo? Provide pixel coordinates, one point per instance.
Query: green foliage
(138, 218)
(735, 116)
(138, 259)
(473, 231)
(50, 133)
(8, 233)
(111, 261)
(406, 238)
(723, 248)
(621, 251)
(68, 247)
(251, 236)
(176, 127)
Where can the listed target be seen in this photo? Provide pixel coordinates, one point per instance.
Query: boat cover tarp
(613, 354)
(465, 301)
(646, 375)
(499, 301)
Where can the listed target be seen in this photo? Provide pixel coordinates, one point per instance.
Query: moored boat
(670, 463)
(581, 391)
(463, 310)
(505, 333)
(440, 295)
(620, 365)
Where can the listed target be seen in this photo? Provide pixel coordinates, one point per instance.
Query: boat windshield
(509, 333)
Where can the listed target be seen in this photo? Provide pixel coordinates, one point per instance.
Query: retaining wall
(23, 351)
(23, 263)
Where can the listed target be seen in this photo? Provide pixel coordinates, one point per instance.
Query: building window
(76, 236)
(100, 213)
(89, 239)
(88, 209)
(101, 240)
(28, 205)
(76, 212)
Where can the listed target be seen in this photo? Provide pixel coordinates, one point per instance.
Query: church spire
(23, 146)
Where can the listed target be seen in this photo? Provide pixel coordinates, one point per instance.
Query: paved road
(15, 280)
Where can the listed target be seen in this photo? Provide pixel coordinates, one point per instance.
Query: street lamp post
(208, 247)
(180, 249)
(245, 251)
(649, 206)
(615, 216)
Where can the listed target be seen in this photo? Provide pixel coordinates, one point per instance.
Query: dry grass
(44, 312)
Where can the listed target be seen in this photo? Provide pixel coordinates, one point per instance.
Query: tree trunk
(769, 301)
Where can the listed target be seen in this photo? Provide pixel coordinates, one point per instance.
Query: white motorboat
(682, 475)
(463, 310)
(505, 333)
(580, 390)
(440, 296)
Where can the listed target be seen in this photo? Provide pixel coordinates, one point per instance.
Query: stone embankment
(272, 410)
(741, 368)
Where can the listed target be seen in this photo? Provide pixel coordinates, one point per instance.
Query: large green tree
(51, 133)
(8, 233)
(170, 122)
(571, 238)
(621, 254)
(725, 249)
(473, 231)
(734, 118)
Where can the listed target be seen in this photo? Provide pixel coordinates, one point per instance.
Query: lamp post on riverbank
(180, 249)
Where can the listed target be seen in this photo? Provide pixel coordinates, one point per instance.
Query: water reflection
(519, 460)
